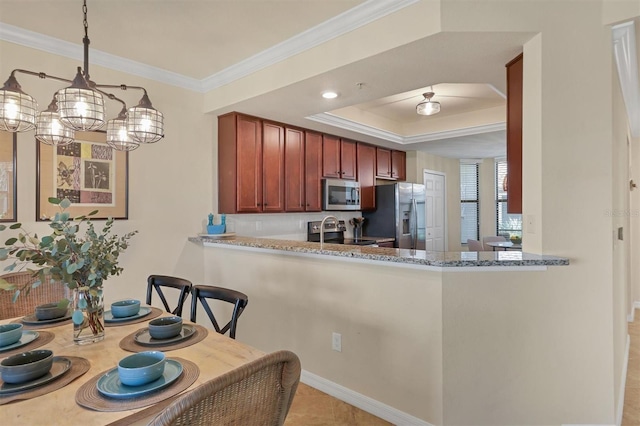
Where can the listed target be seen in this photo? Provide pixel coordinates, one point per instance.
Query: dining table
(504, 245)
(204, 356)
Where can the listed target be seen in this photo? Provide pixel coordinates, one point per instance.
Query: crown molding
(342, 123)
(74, 51)
(624, 52)
(350, 20)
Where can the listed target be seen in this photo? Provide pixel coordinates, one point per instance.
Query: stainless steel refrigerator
(400, 213)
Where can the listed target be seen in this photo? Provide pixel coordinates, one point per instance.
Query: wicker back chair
(47, 292)
(258, 393)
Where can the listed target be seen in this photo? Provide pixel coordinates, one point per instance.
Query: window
(469, 211)
(507, 225)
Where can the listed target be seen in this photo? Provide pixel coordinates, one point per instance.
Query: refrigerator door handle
(414, 223)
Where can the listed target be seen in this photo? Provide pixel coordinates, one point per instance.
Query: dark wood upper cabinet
(348, 159)
(313, 171)
(239, 164)
(272, 167)
(331, 157)
(399, 165)
(514, 135)
(383, 163)
(294, 175)
(366, 158)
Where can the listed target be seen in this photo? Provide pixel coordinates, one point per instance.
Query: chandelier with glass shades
(81, 107)
(427, 106)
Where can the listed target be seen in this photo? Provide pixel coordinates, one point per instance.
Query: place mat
(155, 312)
(79, 366)
(128, 343)
(43, 338)
(38, 326)
(89, 397)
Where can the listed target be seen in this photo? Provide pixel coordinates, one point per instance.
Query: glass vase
(88, 315)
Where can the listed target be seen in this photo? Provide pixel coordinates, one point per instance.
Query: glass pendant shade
(17, 109)
(80, 107)
(51, 131)
(117, 136)
(144, 123)
(426, 107)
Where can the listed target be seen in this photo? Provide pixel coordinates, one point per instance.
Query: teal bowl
(125, 308)
(141, 368)
(50, 311)
(26, 366)
(165, 327)
(10, 334)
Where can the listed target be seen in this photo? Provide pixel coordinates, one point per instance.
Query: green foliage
(79, 261)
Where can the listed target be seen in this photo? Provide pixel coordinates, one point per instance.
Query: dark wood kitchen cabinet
(366, 158)
(294, 174)
(272, 167)
(514, 135)
(383, 163)
(338, 158)
(399, 165)
(239, 164)
(250, 165)
(313, 171)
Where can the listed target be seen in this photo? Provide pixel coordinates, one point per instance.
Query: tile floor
(314, 408)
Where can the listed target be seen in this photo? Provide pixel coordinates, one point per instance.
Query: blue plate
(144, 311)
(28, 336)
(110, 385)
(32, 320)
(60, 366)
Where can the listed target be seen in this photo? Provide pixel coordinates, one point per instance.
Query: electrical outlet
(336, 342)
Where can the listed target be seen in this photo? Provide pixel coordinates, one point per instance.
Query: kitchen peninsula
(425, 336)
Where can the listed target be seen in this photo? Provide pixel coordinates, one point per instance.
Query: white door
(435, 215)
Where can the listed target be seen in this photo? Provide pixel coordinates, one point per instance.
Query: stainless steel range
(333, 234)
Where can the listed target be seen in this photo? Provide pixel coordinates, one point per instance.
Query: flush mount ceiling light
(81, 107)
(426, 107)
(329, 95)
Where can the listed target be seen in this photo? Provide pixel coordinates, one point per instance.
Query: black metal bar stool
(204, 292)
(159, 281)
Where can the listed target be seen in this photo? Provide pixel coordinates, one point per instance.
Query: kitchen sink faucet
(322, 228)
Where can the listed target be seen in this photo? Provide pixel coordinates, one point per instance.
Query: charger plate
(155, 312)
(41, 339)
(79, 366)
(28, 336)
(60, 366)
(143, 337)
(143, 312)
(33, 320)
(110, 385)
(128, 343)
(88, 395)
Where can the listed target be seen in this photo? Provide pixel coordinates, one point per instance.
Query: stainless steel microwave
(338, 194)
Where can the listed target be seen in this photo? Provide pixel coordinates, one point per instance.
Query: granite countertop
(393, 255)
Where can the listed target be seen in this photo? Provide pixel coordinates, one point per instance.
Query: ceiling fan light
(17, 109)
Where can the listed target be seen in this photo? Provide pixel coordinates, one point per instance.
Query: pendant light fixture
(427, 107)
(81, 106)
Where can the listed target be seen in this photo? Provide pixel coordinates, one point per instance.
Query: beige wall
(487, 197)
(417, 162)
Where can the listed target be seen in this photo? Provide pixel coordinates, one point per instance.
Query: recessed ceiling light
(329, 95)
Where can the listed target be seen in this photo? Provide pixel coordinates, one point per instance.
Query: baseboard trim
(623, 382)
(363, 402)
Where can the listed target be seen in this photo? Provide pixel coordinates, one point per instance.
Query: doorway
(436, 211)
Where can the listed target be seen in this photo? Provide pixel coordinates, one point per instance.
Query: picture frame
(88, 172)
(8, 177)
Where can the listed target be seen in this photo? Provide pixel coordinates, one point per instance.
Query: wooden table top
(215, 355)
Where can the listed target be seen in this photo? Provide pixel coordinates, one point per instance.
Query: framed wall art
(8, 180)
(87, 172)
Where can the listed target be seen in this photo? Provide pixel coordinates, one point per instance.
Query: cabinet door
(399, 165)
(249, 165)
(383, 163)
(348, 159)
(367, 176)
(313, 171)
(272, 168)
(294, 180)
(514, 135)
(331, 157)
